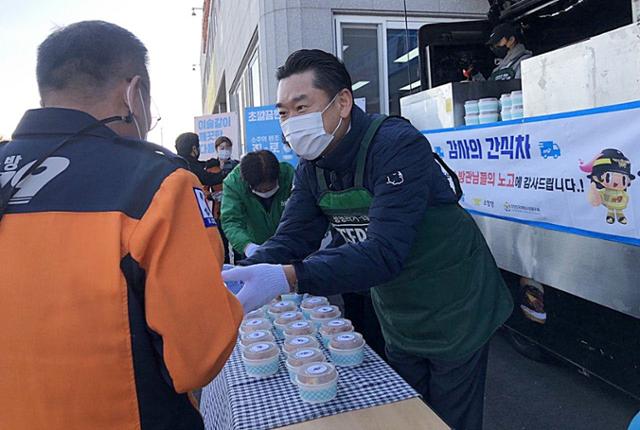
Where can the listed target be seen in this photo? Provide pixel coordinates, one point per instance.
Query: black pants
(453, 389)
(359, 309)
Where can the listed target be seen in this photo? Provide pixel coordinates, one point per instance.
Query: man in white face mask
(400, 234)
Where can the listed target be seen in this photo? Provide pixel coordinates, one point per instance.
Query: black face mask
(500, 51)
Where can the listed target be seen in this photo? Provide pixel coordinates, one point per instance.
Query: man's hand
(262, 283)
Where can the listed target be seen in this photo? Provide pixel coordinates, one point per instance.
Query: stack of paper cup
(505, 102)
(489, 108)
(471, 112)
(517, 106)
(258, 336)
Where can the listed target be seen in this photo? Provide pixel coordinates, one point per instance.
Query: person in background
(109, 316)
(510, 52)
(188, 147)
(435, 286)
(254, 197)
(224, 147)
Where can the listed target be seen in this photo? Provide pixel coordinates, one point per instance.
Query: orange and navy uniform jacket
(109, 318)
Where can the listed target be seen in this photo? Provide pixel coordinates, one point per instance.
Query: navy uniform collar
(344, 154)
(59, 121)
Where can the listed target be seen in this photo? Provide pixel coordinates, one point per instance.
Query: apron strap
(358, 180)
(454, 177)
(361, 159)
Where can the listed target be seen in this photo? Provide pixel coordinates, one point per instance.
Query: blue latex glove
(262, 283)
(251, 249)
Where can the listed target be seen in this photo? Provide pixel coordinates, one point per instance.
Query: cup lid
(299, 327)
(256, 336)
(253, 324)
(258, 313)
(324, 312)
(471, 102)
(316, 373)
(294, 343)
(337, 325)
(305, 355)
(261, 350)
(282, 306)
(488, 99)
(289, 316)
(314, 301)
(350, 340)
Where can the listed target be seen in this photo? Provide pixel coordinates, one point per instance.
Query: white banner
(574, 172)
(210, 127)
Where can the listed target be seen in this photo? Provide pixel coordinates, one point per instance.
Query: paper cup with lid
(311, 302)
(294, 343)
(301, 357)
(261, 359)
(317, 382)
(285, 319)
(255, 337)
(277, 308)
(299, 328)
(254, 324)
(347, 349)
(332, 327)
(323, 314)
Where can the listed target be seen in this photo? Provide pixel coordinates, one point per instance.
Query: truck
(591, 285)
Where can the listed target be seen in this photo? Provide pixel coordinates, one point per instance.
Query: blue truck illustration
(549, 149)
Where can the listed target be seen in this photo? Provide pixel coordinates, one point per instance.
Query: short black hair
(259, 167)
(185, 143)
(89, 56)
(223, 139)
(331, 75)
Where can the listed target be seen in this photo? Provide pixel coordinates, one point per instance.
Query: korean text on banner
(574, 172)
(210, 127)
(263, 131)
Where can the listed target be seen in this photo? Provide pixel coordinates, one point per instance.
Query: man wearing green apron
(435, 287)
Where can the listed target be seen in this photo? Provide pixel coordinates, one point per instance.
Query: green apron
(449, 297)
(507, 73)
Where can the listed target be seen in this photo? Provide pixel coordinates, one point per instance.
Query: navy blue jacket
(395, 213)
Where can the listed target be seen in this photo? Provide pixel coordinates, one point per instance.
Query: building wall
(284, 26)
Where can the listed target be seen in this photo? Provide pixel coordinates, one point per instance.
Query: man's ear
(131, 94)
(345, 101)
(511, 42)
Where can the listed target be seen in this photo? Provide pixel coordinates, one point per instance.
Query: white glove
(262, 283)
(250, 249)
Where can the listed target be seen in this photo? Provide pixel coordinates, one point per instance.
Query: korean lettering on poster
(262, 131)
(575, 172)
(210, 127)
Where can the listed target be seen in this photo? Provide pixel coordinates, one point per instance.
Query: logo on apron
(352, 228)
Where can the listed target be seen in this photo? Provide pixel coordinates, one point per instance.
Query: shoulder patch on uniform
(205, 212)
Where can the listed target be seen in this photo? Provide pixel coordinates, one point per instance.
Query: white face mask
(306, 133)
(267, 194)
(224, 154)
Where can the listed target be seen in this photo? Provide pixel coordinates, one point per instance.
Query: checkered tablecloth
(235, 401)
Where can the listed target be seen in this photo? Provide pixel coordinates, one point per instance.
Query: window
(246, 92)
(382, 60)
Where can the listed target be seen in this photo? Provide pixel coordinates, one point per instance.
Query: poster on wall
(210, 127)
(576, 172)
(262, 131)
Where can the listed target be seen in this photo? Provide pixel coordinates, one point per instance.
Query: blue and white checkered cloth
(235, 401)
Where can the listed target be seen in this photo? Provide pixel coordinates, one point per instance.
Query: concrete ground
(526, 395)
